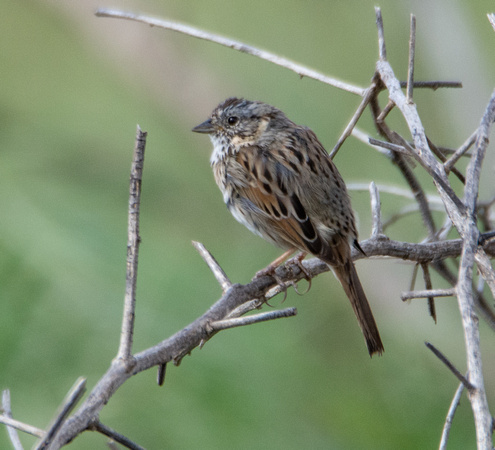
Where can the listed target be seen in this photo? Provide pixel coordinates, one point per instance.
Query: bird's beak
(205, 127)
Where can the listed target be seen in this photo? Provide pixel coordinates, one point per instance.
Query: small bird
(278, 180)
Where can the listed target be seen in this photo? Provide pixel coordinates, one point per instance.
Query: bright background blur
(73, 87)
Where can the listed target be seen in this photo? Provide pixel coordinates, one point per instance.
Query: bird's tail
(348, 277)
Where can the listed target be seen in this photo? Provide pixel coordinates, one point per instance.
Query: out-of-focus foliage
(72, 89)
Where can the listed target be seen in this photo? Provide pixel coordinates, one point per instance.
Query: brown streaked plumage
(278, 180)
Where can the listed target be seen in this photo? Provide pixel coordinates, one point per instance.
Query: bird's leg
(270, 269)
(298, 261)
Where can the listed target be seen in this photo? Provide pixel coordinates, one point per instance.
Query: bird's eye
(232, 120)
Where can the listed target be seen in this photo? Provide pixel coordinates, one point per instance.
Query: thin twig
(428, 286)
(70, 401)
(491, 18)
(386, 111)
(236, 45)
(393, 190)
(414, 275)
(212, 263)
(398, 159)
(255, 318)
(12, 431)
(370, 92)
(407, 210)
(459, 152)
(486, 269)
(433, 84)
(247, 307)
(450, 366)
(437, 173)
(428, 293)
(376, 212)
(389, 146)
(382, 50)
(133, 241)
(450, 417)
(160, 376)
(34, 431)
(410, 70)
(112, 434)
(473, 171)
(441, 156)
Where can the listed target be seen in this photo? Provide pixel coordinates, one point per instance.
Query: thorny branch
(473, 247)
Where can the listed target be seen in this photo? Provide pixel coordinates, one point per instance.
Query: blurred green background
(72, 89)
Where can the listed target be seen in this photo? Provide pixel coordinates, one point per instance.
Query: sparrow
(278, 180)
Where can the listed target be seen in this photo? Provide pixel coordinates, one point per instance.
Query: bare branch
(133, 240)
(183, 342)
(70, 401)
(486, 270)
(470, 234)
(386, 111)
(407, 210)
(428, 293)
(21, 426)
(433, 84)
(450, 417)
(449, 164)
(236, 45)
(370, 93)
(393, 190)
(441, 156)
(410, 71)
(382, 50)
(255, 318)
(252, 304)
(473, 172)
(212, 263)
(12, 431)
(450, 366)
(112, 434)
(429, 286)
(462, 216)
(491, 18)
(160, 376)
(376, 213)
(389, 146)
(238, 299)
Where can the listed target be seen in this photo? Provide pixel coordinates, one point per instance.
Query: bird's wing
(270, 186)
